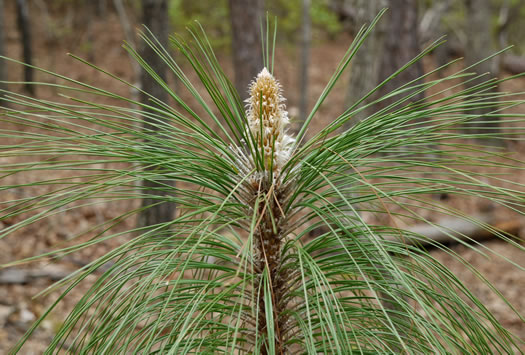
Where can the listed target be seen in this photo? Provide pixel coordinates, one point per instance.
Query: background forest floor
(18, 308)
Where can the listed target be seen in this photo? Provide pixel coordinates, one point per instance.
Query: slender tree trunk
(480, 46)
(246, 18)
(155, 17)
(3, 63)
(364, 75)
(130, 37)
(305, 63)
(25, 33)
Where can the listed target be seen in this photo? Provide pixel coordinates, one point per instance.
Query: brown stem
(268, 255)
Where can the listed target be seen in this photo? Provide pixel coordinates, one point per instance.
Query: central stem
(268, 244)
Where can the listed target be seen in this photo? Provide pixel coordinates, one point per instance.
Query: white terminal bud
(269, 111)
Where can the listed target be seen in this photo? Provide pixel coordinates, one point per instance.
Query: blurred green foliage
(215, 15)
(289, 13)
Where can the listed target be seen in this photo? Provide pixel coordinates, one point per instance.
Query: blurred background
(312, 37)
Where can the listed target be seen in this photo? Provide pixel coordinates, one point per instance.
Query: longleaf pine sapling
(282, 243)
(267, 120)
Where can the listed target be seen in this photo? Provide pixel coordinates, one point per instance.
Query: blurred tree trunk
(305, 63)
(364, 74)
(392, 43)
(101, 8)
(155, 17)
(401, 44)
(3, 63)
(479, 46)
(22, 12)
(129, 34)
(246, 18)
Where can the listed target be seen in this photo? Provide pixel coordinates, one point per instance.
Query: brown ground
(18, 308)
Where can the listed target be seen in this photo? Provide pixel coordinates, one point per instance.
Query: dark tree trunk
(246, 42)
(25, 34)
(364, 74)
(3, 63)
(101, 8)
(155, 17)
(479, 46)
(390, 45)
(401, 46)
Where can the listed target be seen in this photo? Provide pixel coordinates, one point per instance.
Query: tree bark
(25, 33)
(401, 46)
(393, 42)
(364, 74)
(479, 46)
(3, 63)
(246, 42)
(155, 17)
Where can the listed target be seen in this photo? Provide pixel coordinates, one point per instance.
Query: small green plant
(270, 252)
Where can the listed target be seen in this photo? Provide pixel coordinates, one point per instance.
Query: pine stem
(268, 256)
